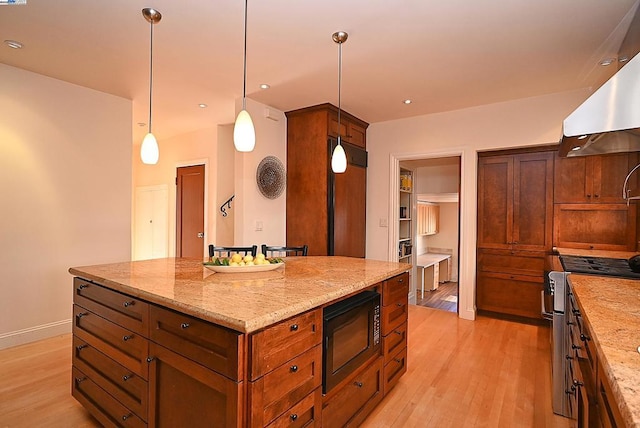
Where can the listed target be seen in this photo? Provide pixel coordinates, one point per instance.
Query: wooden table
(435, 268)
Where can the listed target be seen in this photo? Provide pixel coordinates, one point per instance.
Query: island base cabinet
(394, 369)
(355, 398)
(102, 406)
(185, 394)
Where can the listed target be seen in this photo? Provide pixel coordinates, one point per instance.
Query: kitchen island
(610, 309)
(168, 341)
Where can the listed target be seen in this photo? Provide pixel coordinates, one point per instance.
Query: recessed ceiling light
(202, 105)
(13, 44)
(607, 61)
(407, 101)
(264, 86)
(623, 59)
(582, 137)
(576, 148)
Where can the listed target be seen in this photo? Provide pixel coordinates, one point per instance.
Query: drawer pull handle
(129, 303)
(79, 380)
(127, 377)
(577, 383)
(128, 337)
(149, 359)
(399, 333)
(82, 314)
(82, 287)
(294, 327)
(397, 360)
(81, 347)
(358, 384)
(401, 280)
(293, 368)
(569, 357)
(293, 417)
(584, 337)
(398, 304)
(184, 325)
(125, 417)
(575, 346)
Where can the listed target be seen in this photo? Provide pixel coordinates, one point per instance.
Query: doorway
(436, 237)
(190, 183)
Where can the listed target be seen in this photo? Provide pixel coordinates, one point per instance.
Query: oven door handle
(545, 314)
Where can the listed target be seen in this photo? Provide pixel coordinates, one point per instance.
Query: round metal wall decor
(271, 177)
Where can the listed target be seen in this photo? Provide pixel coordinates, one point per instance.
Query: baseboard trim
(31, 334)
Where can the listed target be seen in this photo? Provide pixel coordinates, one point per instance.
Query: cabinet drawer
(355, 400)
(278, 390)
(213, 346)
(512, 262)
(124, 385)
(124, 310)
(509, 294)
(394, 315)
(394, 341)
(395, 289)
(394, 369)
(106, 409)
(306, 413)
(278, 344)
(126, 347)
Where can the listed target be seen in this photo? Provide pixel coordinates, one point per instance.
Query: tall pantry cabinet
(515, 214)
(326, 211)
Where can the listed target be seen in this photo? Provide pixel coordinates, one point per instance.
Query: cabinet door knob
(80, 379)
(358, 384)
(293, 368)
(127, 377)
(397, 360)
(82, 314)
(127, 337)
(82, 286)
(399, 333)
(596, 196)
(584, 338)
(294, 327)
(129, 303)
(81, 347)
(588, 195)
(125, 417)
(184, 325)
(293, 417)
(577, 383)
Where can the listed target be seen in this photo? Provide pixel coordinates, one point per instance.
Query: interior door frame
(467, 220)
(172, 236)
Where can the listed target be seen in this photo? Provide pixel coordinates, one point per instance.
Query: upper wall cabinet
(593, 179)
(428, 218)
(515, 201)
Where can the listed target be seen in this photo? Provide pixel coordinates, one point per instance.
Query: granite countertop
(244, 302)
(611, 306)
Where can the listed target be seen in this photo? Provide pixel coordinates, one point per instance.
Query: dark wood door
(495, 202)
(609, 172)
(190, 212)
(533, 201)
(349, 211)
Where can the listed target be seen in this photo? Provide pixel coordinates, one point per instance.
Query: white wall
(225, 172)
(65, 183)
(251, 206)
(524, 122)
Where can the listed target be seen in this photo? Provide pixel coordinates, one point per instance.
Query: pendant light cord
(150, 76)
(339, 85)
(244, 80)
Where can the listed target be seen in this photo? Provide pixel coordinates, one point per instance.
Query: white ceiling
(443, 54)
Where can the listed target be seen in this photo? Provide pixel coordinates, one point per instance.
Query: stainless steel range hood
(609, 120)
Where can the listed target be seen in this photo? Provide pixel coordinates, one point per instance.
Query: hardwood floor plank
(483, 373)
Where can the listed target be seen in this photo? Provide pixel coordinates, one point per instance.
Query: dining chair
(229, 251)
(272, 251)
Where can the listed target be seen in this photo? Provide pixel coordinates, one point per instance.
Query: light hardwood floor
(483, 373)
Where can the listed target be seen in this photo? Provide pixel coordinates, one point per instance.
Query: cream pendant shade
(244, 134)
(149, 152)
(338, 159)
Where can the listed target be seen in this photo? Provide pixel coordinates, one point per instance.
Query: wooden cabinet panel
(279, 390)
(394, 342)
(495, 202)
(349, 219)
(277, 344)
(509, 294)
(124, 385)
(185, 394)
(307, 413)
(394, 370)
(213, 346)
(513, 262)
(126, 347)
(394, 314)
(395, 289)
(124, 310)
(593, 179)
(106, 409)
(355, 399)
(595, 226)
(428, 218)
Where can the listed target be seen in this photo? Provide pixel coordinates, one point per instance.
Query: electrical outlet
(383, 222)
(258, 225)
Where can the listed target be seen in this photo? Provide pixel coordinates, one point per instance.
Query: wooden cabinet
(428, 218)
(515, 217)
(325, 211)
(515, 201)
(394, 313)
(593, 179)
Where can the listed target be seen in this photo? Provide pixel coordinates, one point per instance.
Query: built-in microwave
(351, 336)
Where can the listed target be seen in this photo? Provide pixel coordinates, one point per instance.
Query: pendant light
(244, 134)
(149, 152)
(339, 158)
